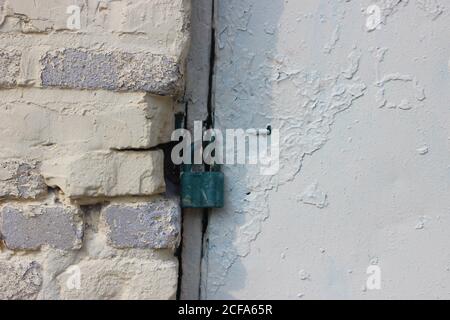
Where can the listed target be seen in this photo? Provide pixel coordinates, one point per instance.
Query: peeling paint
(423, 150)
(404, 104)
(432, 8)
(312, 85)
(390, 7)
(314, 196)
(305, 121)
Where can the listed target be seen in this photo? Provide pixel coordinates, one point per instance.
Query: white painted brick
(162, 25)
(44, 120)
(108, 174)
(132, 16)
(81, 103)
(146, 39)
(123, 278)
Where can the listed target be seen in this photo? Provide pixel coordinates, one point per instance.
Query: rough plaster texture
(20, 281)
(9, 67)
(84, 212)
(81, 69)
(364, 171)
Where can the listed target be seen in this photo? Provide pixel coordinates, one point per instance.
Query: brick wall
(83, 208)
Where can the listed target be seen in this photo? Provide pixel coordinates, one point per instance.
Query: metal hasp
(204, 189)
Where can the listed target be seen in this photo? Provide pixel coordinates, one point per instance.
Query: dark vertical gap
(180, 122)
(179, 255)
(212, 61)
(209, 124)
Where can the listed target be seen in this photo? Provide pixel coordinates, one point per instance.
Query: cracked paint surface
(321, 78)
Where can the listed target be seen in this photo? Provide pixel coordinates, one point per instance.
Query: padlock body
(202, 189)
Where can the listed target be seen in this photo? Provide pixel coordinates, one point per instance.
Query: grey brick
(20, 280)
(118, 71)
(154, 224)
(20, 179)
(9, 68)
(28, 227)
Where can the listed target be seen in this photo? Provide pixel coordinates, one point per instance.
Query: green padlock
(202, 189)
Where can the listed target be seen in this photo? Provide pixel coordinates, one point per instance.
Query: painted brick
(117, 278)
(43, 16)
(21, 179)
(139, 17)
(84, 120)
(9, 68)
(108, 174)
(119, 71)
(155, 224)
(90, 106)
(28, 227)
(20, 280)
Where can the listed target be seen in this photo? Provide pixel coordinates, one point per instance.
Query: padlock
(202, 189)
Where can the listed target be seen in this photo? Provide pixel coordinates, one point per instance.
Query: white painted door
(360, 207)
